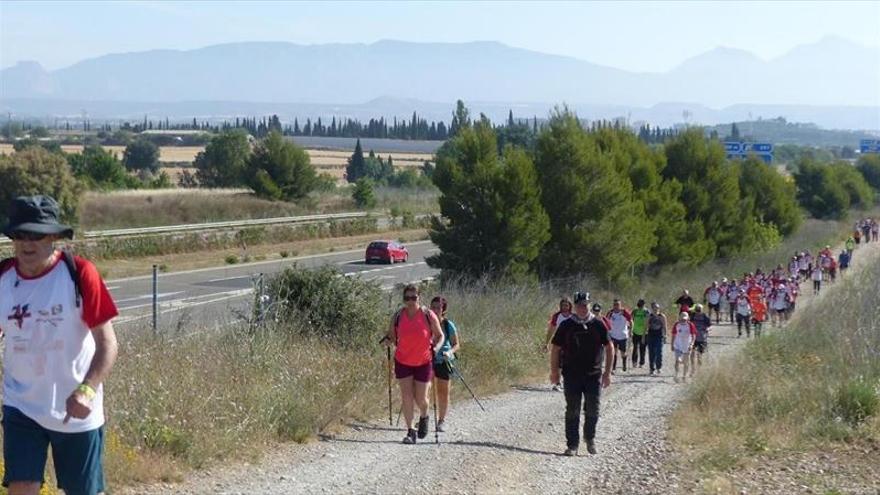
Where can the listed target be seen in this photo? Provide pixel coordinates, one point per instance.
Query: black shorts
(716, 307)
(701, 347)
(442, 371)
(619, 344)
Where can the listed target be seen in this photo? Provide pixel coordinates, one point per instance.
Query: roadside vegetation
(243, 388)
(812, 389)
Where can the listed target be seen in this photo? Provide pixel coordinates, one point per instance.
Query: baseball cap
(581, 297)
(597, 307)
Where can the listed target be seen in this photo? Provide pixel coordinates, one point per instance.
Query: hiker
(759, 314)
(875, 230)
(712, 296)
(743, 313)
(415, 331)
(583, 340)
(732, 294)
(781, 299)
(639, 329)
(60, 348)
(816, 277)
(684, 334)
(685, 301)
(444, 359)
(702, 322)
(556, 318)
(656, 339)
(620, 321)
(843, 261)
(850, 246)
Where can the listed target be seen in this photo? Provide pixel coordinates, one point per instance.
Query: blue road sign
(869, 146)
(736, 149)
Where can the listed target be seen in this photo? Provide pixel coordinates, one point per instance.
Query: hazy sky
(637, 36)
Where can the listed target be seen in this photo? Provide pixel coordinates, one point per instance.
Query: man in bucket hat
(55, 313)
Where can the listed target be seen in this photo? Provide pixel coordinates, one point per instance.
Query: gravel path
(513, 448)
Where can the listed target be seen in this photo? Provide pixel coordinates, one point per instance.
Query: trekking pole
(436, 427)
(455, 372)
(388, 354)
(388, 365)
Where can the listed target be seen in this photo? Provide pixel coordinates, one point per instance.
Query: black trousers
(581, 389)
(640, 345)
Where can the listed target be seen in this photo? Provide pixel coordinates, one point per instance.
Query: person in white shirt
(684, 334)
(816, 276)
(620, 322)
(60, 347)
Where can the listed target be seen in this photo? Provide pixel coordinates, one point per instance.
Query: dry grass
(809, 389)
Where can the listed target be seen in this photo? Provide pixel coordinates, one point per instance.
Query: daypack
(424, 311)
(69, 262)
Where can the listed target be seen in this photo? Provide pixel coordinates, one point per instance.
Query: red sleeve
(693, 328)
(628, 315)
(674, 330)
(97, 303)
(553, 319)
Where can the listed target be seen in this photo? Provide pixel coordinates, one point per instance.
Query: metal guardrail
(171, 229)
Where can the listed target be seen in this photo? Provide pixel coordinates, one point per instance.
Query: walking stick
(455, 372)
(388, 353)
(436, 430)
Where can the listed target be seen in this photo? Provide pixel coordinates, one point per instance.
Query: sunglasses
(27, 236)
(410, 298)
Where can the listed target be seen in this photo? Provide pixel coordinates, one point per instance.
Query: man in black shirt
(583, 340)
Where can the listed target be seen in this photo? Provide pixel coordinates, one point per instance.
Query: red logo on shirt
(19, 313)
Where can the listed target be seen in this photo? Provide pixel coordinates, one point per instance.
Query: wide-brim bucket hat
(36, 214)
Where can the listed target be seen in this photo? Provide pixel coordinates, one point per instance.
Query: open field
(325, 161)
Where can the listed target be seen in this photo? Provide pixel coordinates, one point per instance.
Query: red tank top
(413, 339)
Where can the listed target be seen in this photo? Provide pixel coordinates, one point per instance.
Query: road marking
(281, 261)
(225, 279)
(113, 288)
(148, 296)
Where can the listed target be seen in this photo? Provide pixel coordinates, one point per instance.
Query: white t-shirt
(683, 335)
(713, 295)
(49, 344)
(743, 306)
(817, 275)
(780, 299)
(619, 325)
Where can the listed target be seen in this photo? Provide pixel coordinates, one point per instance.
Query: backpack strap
(70, 262)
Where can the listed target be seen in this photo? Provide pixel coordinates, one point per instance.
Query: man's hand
(554, 376)
(78, 406)
(606, 380)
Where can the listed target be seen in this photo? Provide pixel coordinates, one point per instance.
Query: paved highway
(215, 296)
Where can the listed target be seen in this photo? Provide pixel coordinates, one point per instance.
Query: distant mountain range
(834, 81)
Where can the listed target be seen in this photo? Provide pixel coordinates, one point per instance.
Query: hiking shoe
(423, 427)
(570, 452)
(410, 437)
(556, 388)
(591, 446)
(441, 426)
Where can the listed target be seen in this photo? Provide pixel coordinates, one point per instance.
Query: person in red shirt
(415, 331)
(60, 348)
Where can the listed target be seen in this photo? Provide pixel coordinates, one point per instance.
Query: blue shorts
(77, 456)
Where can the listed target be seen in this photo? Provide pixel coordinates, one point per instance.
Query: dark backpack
(69, 262)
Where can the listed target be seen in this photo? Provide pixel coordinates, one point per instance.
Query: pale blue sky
(639, 36)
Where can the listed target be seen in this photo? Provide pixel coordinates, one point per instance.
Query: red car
(386, 252)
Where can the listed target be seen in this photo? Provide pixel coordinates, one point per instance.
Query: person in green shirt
(850, 245)
(639, 328)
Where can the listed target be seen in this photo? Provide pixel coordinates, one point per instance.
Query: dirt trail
(515, 447)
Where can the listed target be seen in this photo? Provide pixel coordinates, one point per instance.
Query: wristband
(86, 390)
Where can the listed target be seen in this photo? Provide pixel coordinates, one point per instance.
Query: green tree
(97, 168)
(363, 194)
(819, 192)
(775, 197)
(224, 160)
(869, 166)
(860, 193)
(141, 155)
(37, 171)
(596, 223)
(356, 167)
(492, 221)
(278, 169)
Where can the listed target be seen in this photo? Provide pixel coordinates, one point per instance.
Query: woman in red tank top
(416, 333)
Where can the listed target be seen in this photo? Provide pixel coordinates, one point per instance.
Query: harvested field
(325, 161)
